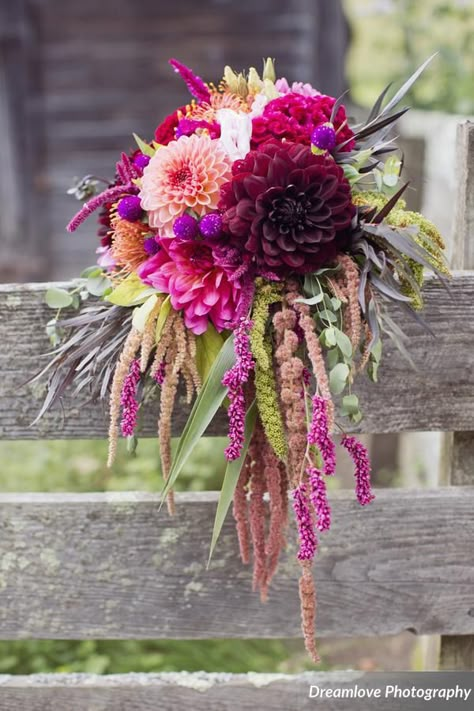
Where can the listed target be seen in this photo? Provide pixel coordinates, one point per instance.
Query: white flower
(236, 130)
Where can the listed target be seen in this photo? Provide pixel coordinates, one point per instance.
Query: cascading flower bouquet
(250, 253)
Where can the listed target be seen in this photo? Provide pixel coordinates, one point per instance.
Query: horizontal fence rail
(77, 566)
(439, 396)
(197, 691)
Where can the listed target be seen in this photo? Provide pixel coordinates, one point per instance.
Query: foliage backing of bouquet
(249, 254)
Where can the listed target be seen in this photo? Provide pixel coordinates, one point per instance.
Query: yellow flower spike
(269, 70)
(231, 79)
(254, 83)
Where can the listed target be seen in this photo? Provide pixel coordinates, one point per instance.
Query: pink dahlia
(197, 282)
(294, 117)
(187, 173)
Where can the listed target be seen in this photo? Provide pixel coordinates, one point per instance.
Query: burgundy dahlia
(288, 208)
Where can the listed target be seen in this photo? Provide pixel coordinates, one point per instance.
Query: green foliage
(390, 39)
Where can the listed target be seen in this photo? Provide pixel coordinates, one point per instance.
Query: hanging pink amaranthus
(235, 379)
(360, 457)
(304, 520)
(319, 435)
(128, 400)
(318, 497)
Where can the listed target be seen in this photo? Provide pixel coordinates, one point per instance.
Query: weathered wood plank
(78, 566)
(439, 396)
(205, 692)
(457, 652)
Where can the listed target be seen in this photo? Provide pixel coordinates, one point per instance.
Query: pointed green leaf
(142, 313)
(208, 346)
(207, 403)
(130, 291)
(162, 317)
(145, 148)
(231, 478)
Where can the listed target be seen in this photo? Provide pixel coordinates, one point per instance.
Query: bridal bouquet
(248, 258)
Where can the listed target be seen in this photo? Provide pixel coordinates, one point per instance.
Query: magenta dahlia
(287, 208)
(293, 117)
(197, 281)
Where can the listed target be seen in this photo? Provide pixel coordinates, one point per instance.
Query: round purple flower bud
(129, 208)
(210, 226)
(185, 227)
(151, 246)
(324, 137)
(141, 160)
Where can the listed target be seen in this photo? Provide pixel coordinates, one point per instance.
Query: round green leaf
(338, 378)
(97, 285)
(58, 298)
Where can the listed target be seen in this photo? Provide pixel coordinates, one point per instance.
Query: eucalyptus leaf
(207, 403)
(338, 377)
(333, 357)
(343, 343)
(57, 298)
(97, 284)
(328, 337)
(326, 315)
(350, 404)
(231, 477)
(312, 300)
(94, 270)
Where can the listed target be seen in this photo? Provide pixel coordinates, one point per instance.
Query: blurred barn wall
(77, 78)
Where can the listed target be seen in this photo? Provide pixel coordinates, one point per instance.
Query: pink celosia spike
(195, 84)
(109, 195)
(360, 457)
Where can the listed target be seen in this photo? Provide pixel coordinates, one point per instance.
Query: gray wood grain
(197, 691)
(78, 566)
(457, 652)
(439, 396)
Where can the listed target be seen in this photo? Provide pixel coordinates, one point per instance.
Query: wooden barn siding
(437, 396)
(113, 566)
(105, 75)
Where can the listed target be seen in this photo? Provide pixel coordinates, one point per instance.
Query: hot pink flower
(187, 173)
(196, 281)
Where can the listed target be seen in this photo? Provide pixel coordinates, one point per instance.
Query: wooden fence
(110, 566)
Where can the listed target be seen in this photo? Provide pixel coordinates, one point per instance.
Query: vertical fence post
(457, 651)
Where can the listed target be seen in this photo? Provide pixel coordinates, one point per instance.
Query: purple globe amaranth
(141, 160)
(324, 137)
(151, 246)
(129, 208)
(290, 209)
(185, 227)
(210, 226)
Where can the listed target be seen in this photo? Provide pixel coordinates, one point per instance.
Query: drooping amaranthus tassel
(240, 510)
(257, 511)
(360, 457)
(149, 335)
(278, 518)
(109, 195)
(235, 379)
(167, 398)
(351, 274)
(319, 434)
(308, 610)
(126, 357)
(319, 500)
(128, 400)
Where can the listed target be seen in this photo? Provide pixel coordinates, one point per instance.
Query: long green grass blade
(205, 407)
(231, 478)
